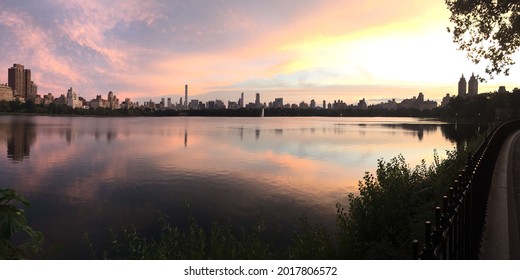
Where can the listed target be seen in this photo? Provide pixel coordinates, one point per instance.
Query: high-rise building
(185, 97)
(472, 85)
(324, 104)
(72, 99)
(278, 103)
(241, 101)
(169, 105)
(462, 86)
(446, 100)
(127, 103)
(28, 84)
(16, 79)
(19, 79)
(420, 97)
(257, 100)
(362, 104)
(113, 101)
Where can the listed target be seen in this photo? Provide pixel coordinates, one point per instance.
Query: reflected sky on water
(90, 174)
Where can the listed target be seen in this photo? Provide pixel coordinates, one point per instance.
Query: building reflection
(185, 137)
(21, 135)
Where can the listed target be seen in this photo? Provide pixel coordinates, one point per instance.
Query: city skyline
(339, 50)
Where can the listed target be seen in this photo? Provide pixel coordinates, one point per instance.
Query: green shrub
(13, 224)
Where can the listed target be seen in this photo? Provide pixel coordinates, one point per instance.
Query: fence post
(428, 254)
(415, 249)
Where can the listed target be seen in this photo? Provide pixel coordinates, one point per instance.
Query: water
(91, 174)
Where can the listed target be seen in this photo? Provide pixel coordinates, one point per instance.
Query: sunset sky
(295, 49)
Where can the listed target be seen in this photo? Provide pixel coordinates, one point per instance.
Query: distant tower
(472, 85)
(420, 97)
(241, 101)
(324, 104)
(462, 86)
(72, 99)
(257, 100)
(186, 97)
(28, 84)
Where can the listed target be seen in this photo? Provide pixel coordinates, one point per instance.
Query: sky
(296, 49)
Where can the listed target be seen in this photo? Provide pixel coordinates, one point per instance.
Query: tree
(13, 223)
(487, 29)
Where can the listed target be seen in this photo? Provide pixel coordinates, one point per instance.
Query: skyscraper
(16, 79)
(462, 86)
(241, 101)
(19, 79)
(472, 85)
(185, 97)
(72, 99)
(257, 100)
(28, 84)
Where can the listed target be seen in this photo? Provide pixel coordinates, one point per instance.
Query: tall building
(127, 103)
(362, 104)
(278, 103)
(185, 97)
(241, 101)
(257, 100)
(113, 101)
(420, 97)
(16, 79)
(472, 85)
(72, 99)
(28, 84)
(462, 86)
(446, 100)
(19, 79)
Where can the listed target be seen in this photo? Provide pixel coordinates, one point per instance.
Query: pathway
(501, 233)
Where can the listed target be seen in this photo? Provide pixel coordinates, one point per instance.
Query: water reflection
(93, 173)
(185, 137)
(20, 135)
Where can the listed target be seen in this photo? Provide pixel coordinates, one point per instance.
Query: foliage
(391, 207)
(13, 224)
(193, 243)
(487, 30)
(312, 242)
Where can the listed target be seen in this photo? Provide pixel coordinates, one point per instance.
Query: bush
(13, 224)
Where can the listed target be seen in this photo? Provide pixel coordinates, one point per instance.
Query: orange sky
(297, 50)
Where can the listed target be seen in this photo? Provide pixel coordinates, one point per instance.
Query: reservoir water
(88, 175)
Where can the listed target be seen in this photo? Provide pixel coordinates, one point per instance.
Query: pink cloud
(37, 46)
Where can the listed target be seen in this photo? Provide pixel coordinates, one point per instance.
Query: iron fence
(456, 231)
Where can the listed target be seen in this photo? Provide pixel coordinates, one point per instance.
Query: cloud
(30, 42)
(141, 49)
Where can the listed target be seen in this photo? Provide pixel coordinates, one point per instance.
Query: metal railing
(456, 231)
